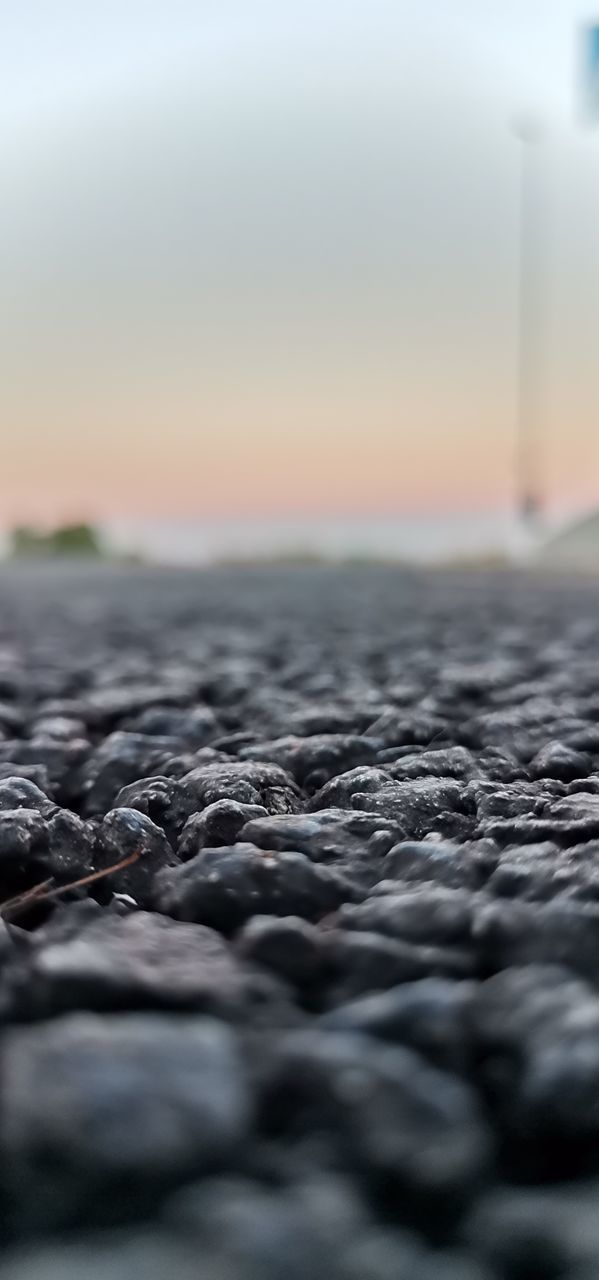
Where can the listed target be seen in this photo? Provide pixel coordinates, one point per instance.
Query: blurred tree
(67, 539)
(25, 541)
(74, 540)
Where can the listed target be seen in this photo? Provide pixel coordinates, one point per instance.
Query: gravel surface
(337, 1015)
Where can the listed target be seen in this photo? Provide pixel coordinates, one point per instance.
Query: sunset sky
(260, 255)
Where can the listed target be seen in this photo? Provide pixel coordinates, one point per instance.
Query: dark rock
(103, 708)
(288, 945)
(354, 842)
(100, 1107)
(566, 820)
(555, 760)
(340, 791)
(35, 846)
(363, 962)
(536, 1032)
(545, 871)
(513, 800)
(61, 728)
(449, 762)
(60, 761)
(389, 1113)
(161, 799)
(218, 824)
(585, 737)
(419, 807)
(316, 1228)
(121, 758)
(22, 793)
(430, 1016)
(321, 756)
(500, 765)
(247, 782)
(528, 1232)
(12, 720)
(71, 844)
(397, 729)
(465, 866)
(123, 833)
(68, 920)
(179, 765)
(224, 887)
(35, 773)
(137, 961)
(109, 1256)
(427, 914)
(562, 932)
(320, 718)
(194, 728)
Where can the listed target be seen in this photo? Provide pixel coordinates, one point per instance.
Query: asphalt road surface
(326, 1004)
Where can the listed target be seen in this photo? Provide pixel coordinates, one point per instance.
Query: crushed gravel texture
(336, 1012)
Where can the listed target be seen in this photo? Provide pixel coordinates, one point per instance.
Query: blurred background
(303, 277)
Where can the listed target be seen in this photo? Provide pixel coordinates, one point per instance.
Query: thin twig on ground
(43, 892)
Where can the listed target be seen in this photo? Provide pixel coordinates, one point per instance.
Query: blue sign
(592, 71)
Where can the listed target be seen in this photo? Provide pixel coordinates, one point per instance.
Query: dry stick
(39, 894)
(26, 897)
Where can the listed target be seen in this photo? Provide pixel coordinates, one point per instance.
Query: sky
(260, 256)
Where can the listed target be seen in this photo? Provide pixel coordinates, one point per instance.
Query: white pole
(528, 488)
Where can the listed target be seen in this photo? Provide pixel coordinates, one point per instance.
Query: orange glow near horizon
(355, 463)
(299, 455)
(256, 448)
